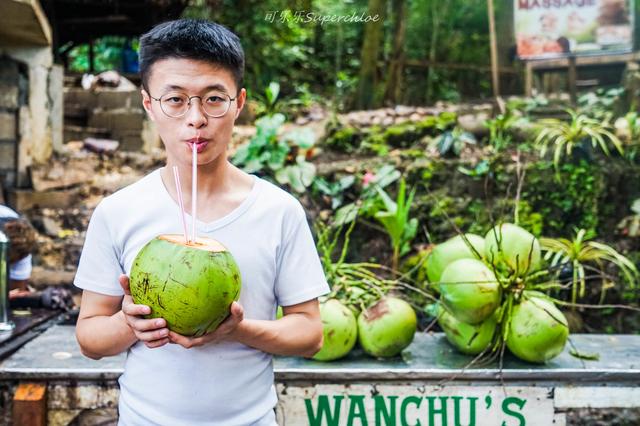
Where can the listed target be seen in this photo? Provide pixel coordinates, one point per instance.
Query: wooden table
(427, 382)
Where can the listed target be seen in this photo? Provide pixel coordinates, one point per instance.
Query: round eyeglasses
(176, 104)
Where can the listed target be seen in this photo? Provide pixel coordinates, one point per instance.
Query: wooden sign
(414, 404)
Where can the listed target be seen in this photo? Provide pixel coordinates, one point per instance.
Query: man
(192, 89)
(22, 239)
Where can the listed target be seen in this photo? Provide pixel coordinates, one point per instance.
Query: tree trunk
(436, 14)
(365, 96)
(393, 89)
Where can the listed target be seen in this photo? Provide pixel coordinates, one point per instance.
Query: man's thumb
(124, 283)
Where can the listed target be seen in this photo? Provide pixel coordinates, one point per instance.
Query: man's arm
(298, 332)
(109, 325)
(101, 329)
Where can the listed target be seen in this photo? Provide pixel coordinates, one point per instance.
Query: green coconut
(451, 250)
(387, 327)
(339, 329)
(470, 290)
(538, 330)
(510, 247)
(467, 338)
(190, 285)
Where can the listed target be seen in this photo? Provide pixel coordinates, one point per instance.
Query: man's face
(193, 78)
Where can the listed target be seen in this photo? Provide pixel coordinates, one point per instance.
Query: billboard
(551, 28)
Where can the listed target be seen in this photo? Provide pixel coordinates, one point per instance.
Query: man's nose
(195, 114)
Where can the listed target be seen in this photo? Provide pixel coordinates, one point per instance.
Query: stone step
(79, 133)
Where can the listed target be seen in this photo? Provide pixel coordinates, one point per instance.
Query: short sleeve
(300, 276)
(21, 270)
(99, 267)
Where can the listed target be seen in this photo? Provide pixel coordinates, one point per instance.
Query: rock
(404, 110)
(474, 123)
(101, 145)
(51, 227)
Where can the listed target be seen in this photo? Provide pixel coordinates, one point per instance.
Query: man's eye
(174, 100)
(215, 99)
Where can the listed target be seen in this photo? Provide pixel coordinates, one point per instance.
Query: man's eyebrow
(219, 87)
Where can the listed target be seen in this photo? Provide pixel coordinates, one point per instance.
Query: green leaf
(304, 138)
(272, 92)
(345, 214)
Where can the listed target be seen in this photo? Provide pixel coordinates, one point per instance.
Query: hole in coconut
(201, 243)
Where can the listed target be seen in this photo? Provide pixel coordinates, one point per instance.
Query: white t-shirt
(217, 384)
(21, 269)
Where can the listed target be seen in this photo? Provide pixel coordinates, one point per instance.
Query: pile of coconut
(491, 295)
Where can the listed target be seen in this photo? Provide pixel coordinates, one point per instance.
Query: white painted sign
(413, 404)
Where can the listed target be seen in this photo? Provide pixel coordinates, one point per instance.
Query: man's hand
(152, 332)
(224, 331)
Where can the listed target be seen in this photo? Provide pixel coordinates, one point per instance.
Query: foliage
(355, 284)
(368, 200)
(583, 255)
(573, 203)
(395, 219)
(451, 142)
(280, 157)
(334, 190)
(563, 137)
(603, 104)
(107, 54)
(378, 139)
(499, 129)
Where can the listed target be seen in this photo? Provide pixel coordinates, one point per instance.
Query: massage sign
(550, 28)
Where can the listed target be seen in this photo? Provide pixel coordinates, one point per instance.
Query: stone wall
(30, 110)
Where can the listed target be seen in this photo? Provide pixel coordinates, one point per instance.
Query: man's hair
(192, 39)
(22, 236)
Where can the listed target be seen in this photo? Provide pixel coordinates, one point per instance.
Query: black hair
(192, 39)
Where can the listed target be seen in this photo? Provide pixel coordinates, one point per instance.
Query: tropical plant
(395, 219)
(601, 104)
(451, 142)
(580, 255)
(283, 158)
(563, 137)
(334, 190)
(368, 201)
(499, 129)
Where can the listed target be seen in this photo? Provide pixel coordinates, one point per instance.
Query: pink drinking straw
(176, 178)
(194, 185)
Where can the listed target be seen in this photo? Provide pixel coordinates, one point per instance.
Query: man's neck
(213, 178)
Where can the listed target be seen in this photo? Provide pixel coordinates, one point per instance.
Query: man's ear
(146, 104)
(242, 97)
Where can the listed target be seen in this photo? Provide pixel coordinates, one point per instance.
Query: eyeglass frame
(159, 100)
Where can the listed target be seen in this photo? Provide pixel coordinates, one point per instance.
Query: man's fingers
(150, 336)
(157, 343)
(124, 283)
(147, 324)
(187, 342)
(236, 314)
(136, 310)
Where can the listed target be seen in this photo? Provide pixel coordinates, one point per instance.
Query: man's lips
(201, 144)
